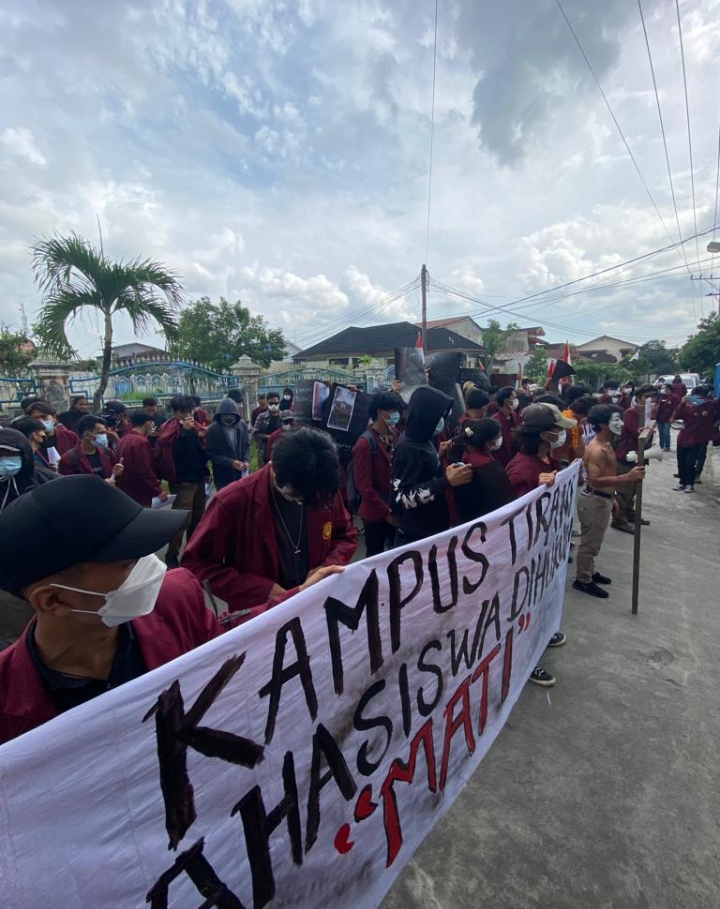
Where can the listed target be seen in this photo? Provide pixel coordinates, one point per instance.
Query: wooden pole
(423, 285)
(642, 441)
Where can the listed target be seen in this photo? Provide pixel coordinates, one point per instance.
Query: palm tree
(73, 276)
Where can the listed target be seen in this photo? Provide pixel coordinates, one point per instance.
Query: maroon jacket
(665, 408)
(372, 478)
(179, 622)
(138, 479)
(698, 422)
(623, 403)
(76, 461)
(64, 440)
(524, 472)
(234, 546)
(505, 453)
(163, 449)
(628, 441)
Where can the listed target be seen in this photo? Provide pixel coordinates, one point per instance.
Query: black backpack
(353, 494)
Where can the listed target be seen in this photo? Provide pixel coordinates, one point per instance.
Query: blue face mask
(394, 418)
(10, 467)
(439, 428)
(48, 425)
(100, 441)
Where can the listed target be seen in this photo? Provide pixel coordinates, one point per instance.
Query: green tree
(537, 366)
(217, 335)
(14, 361)
(593, 373)
(701, 353)
(653, 359)
(73, 276)
(494, 338)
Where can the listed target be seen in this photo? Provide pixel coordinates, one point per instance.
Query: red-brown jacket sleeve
(373, 507)
(343, 540)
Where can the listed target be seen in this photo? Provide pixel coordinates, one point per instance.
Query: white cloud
(19, 142)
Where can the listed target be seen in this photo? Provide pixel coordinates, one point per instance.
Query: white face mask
(515, 404)
(560, 441)
(439, 428)
(135, 597)
(496, 444)
(616, 424)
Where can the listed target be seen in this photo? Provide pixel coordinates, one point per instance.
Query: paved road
(605, 793)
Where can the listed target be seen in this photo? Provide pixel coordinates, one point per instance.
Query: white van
(689, 379)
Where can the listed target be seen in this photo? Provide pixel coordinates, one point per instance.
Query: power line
(717, 184)
(662, 130)
(614, 118)
(687, 113)
(432, 135)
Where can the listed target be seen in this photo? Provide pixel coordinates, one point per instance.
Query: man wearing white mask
(596, 500)
(105, 611)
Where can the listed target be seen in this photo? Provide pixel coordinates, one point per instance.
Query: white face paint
(616, 424)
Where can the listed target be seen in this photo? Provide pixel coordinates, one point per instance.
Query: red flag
(566, 358)
(551, 370)
(419, 346)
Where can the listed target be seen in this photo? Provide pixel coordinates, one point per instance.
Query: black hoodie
(227, 444)
(13, 487)
(417, 482)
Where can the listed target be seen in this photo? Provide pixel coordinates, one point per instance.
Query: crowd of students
(100, 597)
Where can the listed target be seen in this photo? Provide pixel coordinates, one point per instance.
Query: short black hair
(551, 399)
(88, 423)
(476, 399)
(385, 400)
(149, 402)
(504, 394)
(26, 402)
(76, 399)
(236, 395)
(611, 383)
(573, 392)
(44, 406)
(140, 418)
(701, 390)
(27, 426)
(182, 402)
(601, 414)
(273, 394)
(583, 405)
(306, 460)
(530, 442)
(261, 396)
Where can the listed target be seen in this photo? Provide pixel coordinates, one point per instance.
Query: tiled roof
(381, 338)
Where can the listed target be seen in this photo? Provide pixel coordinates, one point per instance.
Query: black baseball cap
(77, 519)
(541, 417)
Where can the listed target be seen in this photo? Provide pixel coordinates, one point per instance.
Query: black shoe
(698, 482)
(625, 527)
(591, 588)
(540, 676)
(677, 476)
(644, 522)
(172, 561)
(558, 640)
(600, 578)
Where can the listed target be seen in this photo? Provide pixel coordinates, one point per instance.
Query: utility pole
(423, 285)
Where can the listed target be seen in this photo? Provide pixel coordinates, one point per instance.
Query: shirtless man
(596, 500)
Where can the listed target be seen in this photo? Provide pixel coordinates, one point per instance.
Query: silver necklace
(293, 543)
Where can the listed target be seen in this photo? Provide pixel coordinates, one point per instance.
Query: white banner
(300, 759)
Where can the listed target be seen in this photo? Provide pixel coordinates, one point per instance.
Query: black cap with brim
(73, 520)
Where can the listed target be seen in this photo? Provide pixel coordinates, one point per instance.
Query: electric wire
(687, 114)
(614, 118)
(717, 185)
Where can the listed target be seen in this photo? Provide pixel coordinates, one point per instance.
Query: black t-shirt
(291, 537)
(96, 463)
(190, 457)
(68, 691)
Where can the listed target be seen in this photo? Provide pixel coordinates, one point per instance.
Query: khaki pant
(192, 497)
(594, 512)
(625, 495)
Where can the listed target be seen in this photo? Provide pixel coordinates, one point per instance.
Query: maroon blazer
(138, 479)
(372, 478)
(628, 441)
(698, 422)
(65, 439)
(76, 461)
(234, 546)
(524, 472)
(180, 622)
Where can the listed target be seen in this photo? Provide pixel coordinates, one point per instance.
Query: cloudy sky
(278, 152)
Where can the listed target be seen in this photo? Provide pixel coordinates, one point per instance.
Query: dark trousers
(379, 535)
(701, 456)
(687, 456)
(625, 497)
(664, 435)
(190, 496)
